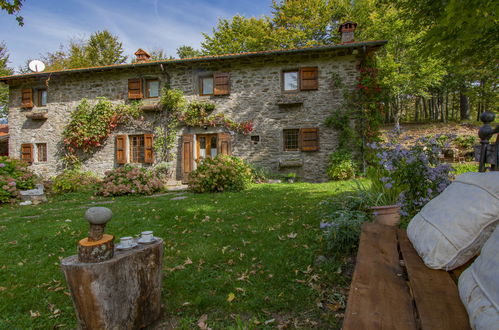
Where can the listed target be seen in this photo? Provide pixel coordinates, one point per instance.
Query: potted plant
(290, 177)
(381, 198)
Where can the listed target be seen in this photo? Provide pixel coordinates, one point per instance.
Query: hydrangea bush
(222, 173)
(416, 172)
(14, 177)
(130, 180)
(72, 180)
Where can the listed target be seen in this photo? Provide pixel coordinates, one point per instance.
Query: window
(42, 97)
(152, 88)
(290, 80)
(27, 98)
(304, 79)
(206, 86)
(136, 148)
(217, 84)
(140, 149)
(41, 149)
(291, 139)
(305, 139)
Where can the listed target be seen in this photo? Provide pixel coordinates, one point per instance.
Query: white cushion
(453, 226)
(479, 286)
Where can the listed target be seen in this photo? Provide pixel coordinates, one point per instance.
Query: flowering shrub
(74, 180)
(129, 180)
(223, 173)
(14, 177)
(341, 166)
(416, 172)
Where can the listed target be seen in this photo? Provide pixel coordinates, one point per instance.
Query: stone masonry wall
(255, 89)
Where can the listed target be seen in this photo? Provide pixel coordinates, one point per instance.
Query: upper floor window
(216, 84)
(41, 97)
(138, 88)
(152, 88)
(303, 79)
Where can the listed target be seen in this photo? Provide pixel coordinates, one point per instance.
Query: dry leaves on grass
(202, 322)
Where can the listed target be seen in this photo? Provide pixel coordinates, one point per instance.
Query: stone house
(286, 94)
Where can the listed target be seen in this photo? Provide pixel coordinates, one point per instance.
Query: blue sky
(148, 24)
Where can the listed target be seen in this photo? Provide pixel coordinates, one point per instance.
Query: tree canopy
(4, 71)
(13, 8)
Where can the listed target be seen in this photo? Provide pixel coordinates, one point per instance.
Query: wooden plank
(435, 293)
(379, 297)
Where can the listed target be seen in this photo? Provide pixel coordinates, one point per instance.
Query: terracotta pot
(388, 215)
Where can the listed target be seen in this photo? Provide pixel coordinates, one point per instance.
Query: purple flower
(324, 225)
(388, 185)
(2, 165)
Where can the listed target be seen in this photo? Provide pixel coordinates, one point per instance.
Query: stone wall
(255, 90)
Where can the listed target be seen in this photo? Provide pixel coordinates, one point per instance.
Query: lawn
(240, 258)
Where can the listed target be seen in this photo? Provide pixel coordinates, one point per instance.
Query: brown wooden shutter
(309, 79)
(221, 83)
(309, 139)
(187, 158)
(224, 143)
(135, 88)
(148, 149)
(27, 152)
(121, 149)
(27, 98)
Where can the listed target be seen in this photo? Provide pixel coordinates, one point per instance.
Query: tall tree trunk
(464, 104)
(446, 107)
(425, 111)
(416, 109)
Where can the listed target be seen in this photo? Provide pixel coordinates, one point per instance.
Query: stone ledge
(287, 100)
(285, 163)
(37, 115)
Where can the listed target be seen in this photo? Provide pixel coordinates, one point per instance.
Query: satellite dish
(36, 66)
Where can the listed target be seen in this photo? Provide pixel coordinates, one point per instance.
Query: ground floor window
(41, 150)
(291, 139)
(136, 148)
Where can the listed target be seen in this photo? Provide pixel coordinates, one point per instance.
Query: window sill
(290, 99)
(286, 163)
(37, 115)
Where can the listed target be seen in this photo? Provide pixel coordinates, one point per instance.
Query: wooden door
(187, 159)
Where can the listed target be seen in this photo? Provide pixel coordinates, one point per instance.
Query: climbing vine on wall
(91, 124)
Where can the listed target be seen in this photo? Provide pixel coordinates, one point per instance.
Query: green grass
(259, 245)
(465, 167)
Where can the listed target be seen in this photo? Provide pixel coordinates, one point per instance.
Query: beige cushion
(479, 286)
(453, 226)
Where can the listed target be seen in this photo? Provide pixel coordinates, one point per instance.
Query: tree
(13, 8)
(239, 34)
(188, 51)
(103, 48)
(4, 89)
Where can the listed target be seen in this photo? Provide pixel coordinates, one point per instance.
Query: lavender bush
(415, 173)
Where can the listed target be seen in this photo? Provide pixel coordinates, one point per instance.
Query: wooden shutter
(27, 152)
(27, 98)
(187, 158)
(224, 143)
(121, 149)
(309, 139)
(309, 79)
(221, 83)
(135, 88)
(148, 149)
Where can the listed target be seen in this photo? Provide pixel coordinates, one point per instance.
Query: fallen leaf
(292, 235)
(34, 314)
(13, 242)
(202, 322)
(231, 297)
(2, 288)
(188, 262)
(269, 321)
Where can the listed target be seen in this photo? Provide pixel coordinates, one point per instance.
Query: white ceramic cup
(126, 242)
(146, 236)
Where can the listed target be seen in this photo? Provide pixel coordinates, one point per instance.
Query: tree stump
(96, 251)
(121, 293)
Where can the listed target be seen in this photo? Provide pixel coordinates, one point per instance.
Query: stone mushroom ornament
(98, 246)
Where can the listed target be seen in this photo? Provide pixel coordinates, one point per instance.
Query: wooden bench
(393, 289)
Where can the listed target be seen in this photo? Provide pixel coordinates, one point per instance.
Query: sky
(147, 24)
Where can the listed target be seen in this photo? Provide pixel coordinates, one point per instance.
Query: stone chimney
(347, 30)
(142, 55)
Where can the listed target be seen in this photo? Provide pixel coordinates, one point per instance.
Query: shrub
(74, 180)
(223, 173)
(416, 172)
(341, 166)
(130, 180)
(262, 174)
(466, 141)
(342, 220)
(14, 177)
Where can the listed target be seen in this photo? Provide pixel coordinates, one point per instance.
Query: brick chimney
(142, 55)
(347, 30)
